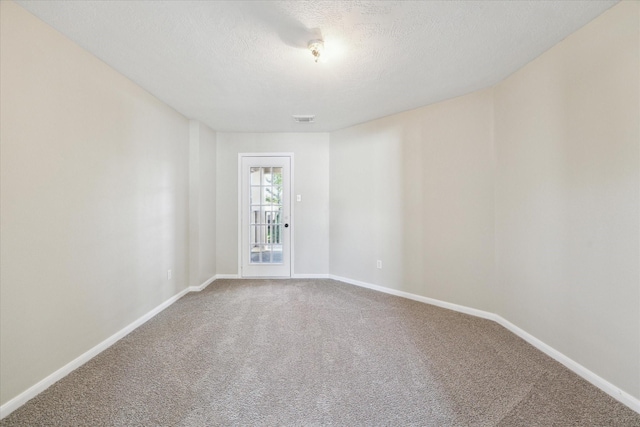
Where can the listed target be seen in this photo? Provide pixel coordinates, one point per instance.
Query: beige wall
(94, 201)
(533, 214)
(567, 197)
(310, 180)
(415, 190)
(202, 203)
(558, 172)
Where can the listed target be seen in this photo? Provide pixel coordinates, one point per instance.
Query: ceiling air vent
(304, 119)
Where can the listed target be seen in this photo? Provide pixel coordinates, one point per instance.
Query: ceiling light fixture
(316, 47)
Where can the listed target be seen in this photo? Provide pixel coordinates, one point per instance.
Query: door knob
(286, 226)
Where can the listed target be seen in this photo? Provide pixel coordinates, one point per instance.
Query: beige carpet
(319, 352)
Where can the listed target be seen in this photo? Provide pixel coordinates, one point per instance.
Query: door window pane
(255, 195)
(255, 176)
(266, 176)
(266, 215)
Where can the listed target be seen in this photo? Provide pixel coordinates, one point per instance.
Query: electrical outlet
(168, 274)
(299, 197)
(379, 264)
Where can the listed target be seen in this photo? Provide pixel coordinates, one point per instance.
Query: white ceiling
(244, 66)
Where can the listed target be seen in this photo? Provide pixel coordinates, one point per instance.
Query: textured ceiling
(244, 66)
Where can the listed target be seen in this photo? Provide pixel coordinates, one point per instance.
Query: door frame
(292, 226)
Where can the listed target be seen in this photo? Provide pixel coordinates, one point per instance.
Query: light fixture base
(316, 47)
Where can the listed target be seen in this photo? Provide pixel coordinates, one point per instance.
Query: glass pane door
(265, 229)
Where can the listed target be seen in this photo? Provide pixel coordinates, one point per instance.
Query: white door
(266, 217)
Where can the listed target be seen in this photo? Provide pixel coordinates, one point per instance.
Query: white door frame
(291, 204)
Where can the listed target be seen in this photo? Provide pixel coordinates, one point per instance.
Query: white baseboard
(585, 373)
(42, 385)
(39, 387)
(310, 276)
(443, 304)
(203, 284)
(293, 276)
(604, 385)
(228, 276)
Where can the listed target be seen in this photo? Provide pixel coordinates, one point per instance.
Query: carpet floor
(319, 352)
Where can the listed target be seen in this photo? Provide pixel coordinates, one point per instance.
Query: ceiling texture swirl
(244, 66)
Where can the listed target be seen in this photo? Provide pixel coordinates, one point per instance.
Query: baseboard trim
(203, 284)
(443, 304)
(604, 385)
(585, 373)
(228, 276)
(48, 381)
(293, 276)
(310, 276)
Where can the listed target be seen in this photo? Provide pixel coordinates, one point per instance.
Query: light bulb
(316, 47)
